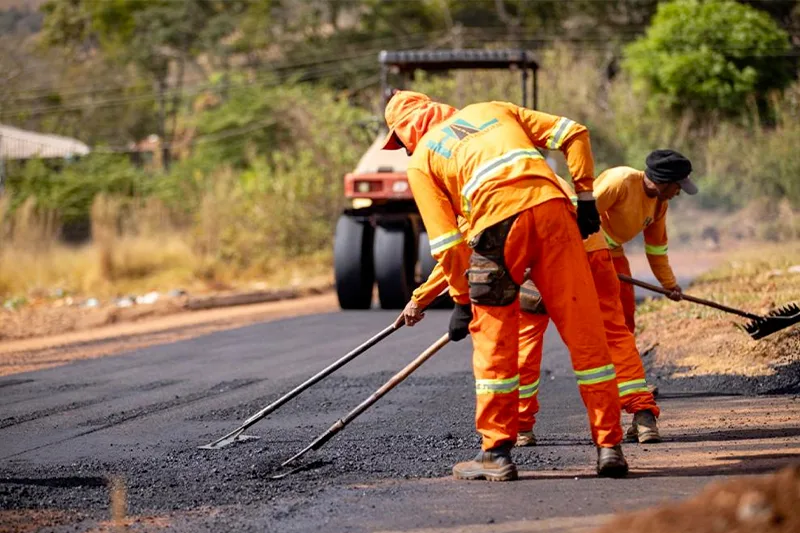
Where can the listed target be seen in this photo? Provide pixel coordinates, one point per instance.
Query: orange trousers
(545, 239)
(626, 295)
(631, 383)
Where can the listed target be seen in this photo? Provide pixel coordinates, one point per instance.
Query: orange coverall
(625, 210)
(482, 163)
(631, 382)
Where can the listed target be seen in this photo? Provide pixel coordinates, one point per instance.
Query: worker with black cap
(631, 201)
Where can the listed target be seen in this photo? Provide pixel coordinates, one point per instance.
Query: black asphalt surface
(139, 418)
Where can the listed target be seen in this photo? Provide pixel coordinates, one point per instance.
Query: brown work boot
(491, 465)
(644, 428)
(525, 438)
(611, 462)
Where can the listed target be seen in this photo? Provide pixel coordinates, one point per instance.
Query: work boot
(644, 428)
(525, 438)
(491, 465)
(611, 462)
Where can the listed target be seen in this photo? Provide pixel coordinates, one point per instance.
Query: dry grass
(135, 249)
(700, 340)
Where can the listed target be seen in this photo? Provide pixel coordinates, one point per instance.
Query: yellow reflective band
(497, 386)
(632, 387)
(595, 375)
(491, 168)
(652, 249)
(528, 391)
(446, 241)
(556, 139)
(574, 200)
(611, 242)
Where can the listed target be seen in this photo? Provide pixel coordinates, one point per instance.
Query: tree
(714, 56)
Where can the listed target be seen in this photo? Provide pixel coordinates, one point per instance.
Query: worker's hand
(588, 218)
(676, 293)
(412, 313)
(459, 322)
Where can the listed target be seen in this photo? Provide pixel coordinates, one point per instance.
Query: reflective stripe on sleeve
(611, 242)
(556, 138)
(528, 391)
(632, 387)
(497, 386)
(446, 241)
(490, 169)
(652, 249)
(595, 375)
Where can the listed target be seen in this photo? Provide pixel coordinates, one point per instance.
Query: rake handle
(687, 297)
(377, 395)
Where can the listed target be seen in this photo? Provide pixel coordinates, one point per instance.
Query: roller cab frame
(380, 238)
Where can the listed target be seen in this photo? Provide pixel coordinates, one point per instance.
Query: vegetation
(221, 129)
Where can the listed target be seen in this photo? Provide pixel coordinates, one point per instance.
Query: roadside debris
(767, 504)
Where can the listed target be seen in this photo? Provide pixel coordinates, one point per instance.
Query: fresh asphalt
(139, 418)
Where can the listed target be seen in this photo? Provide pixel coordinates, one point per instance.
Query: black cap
(669, 166)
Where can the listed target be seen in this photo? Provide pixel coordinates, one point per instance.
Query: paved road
(136, 419)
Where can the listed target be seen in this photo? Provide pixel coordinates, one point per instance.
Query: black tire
(426, 265)
(394, 257)
(352, 263)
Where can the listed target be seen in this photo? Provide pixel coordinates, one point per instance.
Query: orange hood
(409, 116)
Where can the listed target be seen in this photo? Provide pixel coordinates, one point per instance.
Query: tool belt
(490, 283)
(530, 299)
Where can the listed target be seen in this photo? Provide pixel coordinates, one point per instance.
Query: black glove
(459, 322)
(588, 218)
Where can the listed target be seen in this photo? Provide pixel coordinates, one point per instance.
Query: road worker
(634, 395)
(632, 201)
(482, 163)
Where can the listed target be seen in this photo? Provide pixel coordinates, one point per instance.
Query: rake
(237, 435)
(758, 327)
(340, 424)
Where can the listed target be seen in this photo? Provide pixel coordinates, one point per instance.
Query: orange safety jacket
(437, 281)
(625, 210)
(481, 163)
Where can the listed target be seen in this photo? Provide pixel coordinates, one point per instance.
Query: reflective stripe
(652, 249)
(496, 386)
(611, 242)
(446, 241)
(574, 200)
(489, 169)
(555, 140)
(631, 387)
(595, 375)
(527, 391)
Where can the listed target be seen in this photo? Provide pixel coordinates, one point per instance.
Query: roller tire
(353, 267)
(394, 259)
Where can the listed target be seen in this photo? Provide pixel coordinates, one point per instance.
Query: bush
(714, 56)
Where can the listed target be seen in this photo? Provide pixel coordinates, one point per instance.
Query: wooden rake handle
(687, 297)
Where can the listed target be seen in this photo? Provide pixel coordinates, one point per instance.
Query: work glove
(459, 322)
(677, 293)
(588, 218)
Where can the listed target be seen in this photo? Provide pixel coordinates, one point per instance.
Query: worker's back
(488, 164)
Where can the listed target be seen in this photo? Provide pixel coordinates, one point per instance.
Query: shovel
(757, 327)
(237, 435)
(363, 406)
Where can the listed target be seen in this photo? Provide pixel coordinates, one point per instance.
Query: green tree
(714, 56)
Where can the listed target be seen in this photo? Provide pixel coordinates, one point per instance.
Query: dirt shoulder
(697, 347)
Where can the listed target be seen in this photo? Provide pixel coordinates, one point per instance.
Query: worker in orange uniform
(482, 163)
(632, 201)
(634, 395)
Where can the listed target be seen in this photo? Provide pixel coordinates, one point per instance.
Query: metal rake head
(776, 320)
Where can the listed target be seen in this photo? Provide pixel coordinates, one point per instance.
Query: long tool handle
(695, 299)
(319, 376)
(377, 395)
